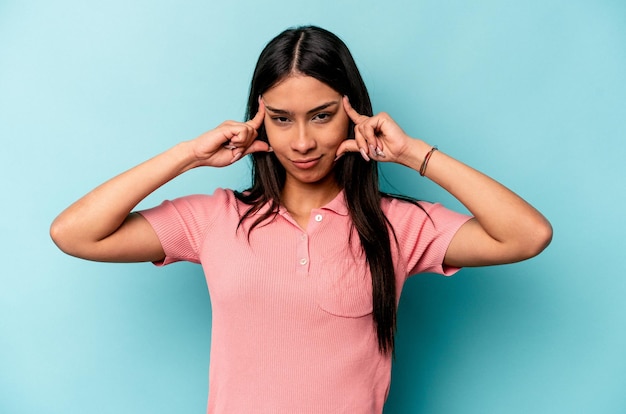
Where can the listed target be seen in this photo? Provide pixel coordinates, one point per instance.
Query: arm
(100, 225)
(505, 228)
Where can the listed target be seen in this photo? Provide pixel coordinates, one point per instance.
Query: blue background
(532, 93)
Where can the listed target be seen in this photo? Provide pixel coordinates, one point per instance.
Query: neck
(300, 200)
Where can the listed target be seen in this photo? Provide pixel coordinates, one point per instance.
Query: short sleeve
(182, 224)
(423, 232)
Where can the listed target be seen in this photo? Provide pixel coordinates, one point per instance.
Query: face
(305, 124)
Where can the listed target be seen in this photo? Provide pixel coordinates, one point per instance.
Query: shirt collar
(337, 205)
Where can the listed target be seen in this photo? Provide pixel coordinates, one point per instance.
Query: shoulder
(420, 213)
(398, 208)
(195, 206)
(423, 232)
(220, 197)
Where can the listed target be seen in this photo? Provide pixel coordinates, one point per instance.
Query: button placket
(303, 254)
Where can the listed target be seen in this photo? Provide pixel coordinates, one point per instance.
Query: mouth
(306, 163)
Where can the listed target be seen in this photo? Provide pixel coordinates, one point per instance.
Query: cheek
(279, 142)
(272, 134)
(340, 131)
(344, 124)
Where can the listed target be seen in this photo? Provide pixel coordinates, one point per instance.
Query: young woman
(306, 267)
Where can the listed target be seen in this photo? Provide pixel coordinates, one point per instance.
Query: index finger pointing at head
(257, 121)
(350, 111)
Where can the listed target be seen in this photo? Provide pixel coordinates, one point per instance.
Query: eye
(280, 119)
(322, 117)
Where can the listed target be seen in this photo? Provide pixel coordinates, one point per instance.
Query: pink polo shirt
(292, 329)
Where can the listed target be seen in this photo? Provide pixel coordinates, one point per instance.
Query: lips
(305, 164)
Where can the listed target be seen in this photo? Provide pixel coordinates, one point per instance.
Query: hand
(230, 141)
(377, 137)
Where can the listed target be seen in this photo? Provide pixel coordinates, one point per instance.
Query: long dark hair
(318, 53)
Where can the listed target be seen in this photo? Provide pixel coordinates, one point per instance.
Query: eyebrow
(317, 108)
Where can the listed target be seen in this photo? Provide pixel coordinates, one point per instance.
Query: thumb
(258, 146)
(348, 145)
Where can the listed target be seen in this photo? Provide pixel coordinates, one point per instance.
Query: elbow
(538, 240)
(61, 236)
(56, 234)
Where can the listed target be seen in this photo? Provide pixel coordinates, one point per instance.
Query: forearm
(505, 228)
(103, 210)
(516, 227)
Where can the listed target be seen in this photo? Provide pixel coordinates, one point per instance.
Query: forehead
(299, 93)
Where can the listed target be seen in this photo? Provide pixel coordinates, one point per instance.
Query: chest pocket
(344, 287)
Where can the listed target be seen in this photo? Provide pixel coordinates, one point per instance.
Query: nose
(303, 141)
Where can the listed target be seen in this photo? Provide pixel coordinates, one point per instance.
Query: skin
(306, 122)
(305, 134)
(505, 228)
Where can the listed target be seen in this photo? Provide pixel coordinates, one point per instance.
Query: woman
(305, 268)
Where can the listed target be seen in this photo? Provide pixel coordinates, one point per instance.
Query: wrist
(415, 155)
(184, 156)
(424, 165)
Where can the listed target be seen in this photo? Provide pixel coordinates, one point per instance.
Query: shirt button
(303, 237)
(318, 217)
(303, 261)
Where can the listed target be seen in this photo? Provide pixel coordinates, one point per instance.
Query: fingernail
(339, 156)
(379, 152)
(364, 154)
(236, 157)
(270, 149)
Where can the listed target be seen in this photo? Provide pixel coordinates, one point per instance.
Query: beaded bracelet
(426, 158)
